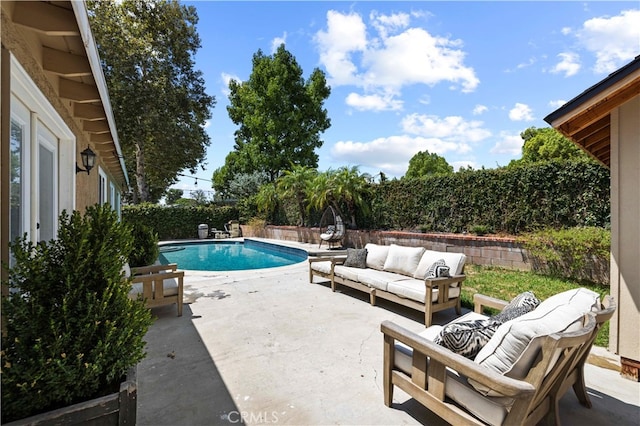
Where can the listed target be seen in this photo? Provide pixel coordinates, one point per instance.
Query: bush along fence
(507, 200)
(178, 222)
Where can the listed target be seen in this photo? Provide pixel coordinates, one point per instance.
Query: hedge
(511, 200)
(178, 222)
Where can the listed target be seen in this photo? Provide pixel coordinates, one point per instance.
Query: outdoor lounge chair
(333, 226)
(462, 391)
(158, 285)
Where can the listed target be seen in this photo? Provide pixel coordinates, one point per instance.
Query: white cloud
(226, 79)
(480, 109)
(509, 144)
(614, 40)
(373, 102)
(521, 112)
(569, 64)
(345, 35)
(398, 56)
(566, 30)
(557, 103)
(448, 135)
(452, 128)
(277, 41)
(391, 154)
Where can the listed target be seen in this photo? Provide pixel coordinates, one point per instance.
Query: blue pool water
(229, 255)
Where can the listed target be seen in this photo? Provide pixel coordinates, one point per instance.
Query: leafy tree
(547, 144)
(294, 184)
(159, 100)
(199, 196)
(280, 117)
(424, 163)
(172, 195)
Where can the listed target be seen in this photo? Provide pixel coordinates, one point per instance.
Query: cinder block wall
(488, 250)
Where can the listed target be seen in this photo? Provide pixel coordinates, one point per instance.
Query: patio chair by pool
(331, 227)
(158, 285)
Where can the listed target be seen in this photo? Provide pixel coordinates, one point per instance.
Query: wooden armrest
(480, 300)
(440, 357)
(435, 282)
(320, 259)
(157, 277)
(153, 269)
(338, 260)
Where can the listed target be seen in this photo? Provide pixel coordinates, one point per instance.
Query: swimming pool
(229, 255)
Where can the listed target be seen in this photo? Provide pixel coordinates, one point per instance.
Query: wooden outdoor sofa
(158, 285)
(519, 375)
(399, 274)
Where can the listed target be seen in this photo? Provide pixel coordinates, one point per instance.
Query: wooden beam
(46, 18)
(65, 64)
(596, 138)
(101, 126)
(78, 92)
(88, 112)
(602, 108)
(101, 137)
(593, 128)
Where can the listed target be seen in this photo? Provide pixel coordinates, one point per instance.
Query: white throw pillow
(511, 349)
(376, 256)
(403, 260)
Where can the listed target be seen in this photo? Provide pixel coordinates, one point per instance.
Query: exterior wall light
(88, 160)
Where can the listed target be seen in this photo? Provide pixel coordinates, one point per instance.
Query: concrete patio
(267, 347)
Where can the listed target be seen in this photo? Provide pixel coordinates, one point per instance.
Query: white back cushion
(376, 256)
(455, 262)
(403, 260)
(513, 348)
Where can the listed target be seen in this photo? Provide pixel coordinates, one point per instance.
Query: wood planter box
(115, 409)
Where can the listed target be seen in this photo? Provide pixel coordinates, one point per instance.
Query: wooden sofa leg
(459, 306)
(372, 297)
(389, 349)
(428, 314)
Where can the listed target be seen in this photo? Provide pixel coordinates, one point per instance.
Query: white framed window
(102, 186)
(42, 160)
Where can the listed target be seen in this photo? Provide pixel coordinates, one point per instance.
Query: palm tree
(294, 184)
(349, 186)
(267, 200)
(345, 186)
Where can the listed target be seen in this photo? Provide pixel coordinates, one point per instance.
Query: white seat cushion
(169, 286)
(415, 290)
(377, 279)
(403, 260)
(346, 272)
(324, 267)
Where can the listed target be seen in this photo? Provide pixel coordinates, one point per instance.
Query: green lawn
(506, 284)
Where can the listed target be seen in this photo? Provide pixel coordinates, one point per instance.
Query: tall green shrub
(145, 249)
(71, 329)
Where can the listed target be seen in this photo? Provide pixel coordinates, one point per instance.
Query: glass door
(47, 185)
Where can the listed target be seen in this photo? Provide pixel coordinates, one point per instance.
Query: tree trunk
(143, 188)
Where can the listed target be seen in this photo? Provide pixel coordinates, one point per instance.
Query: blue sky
(461, 79)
